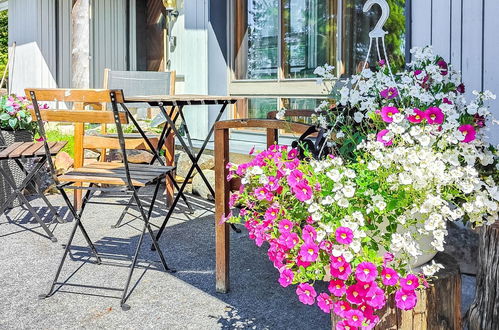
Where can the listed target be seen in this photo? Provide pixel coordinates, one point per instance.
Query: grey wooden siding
(31, 26)
(108, 43)
(466, 33)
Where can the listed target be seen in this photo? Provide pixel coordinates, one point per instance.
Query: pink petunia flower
(337, 288)
(262, 193)
(387, 113)
(306, 293)
(380, 137)
(447, 101)
(389, 93)
(295, 177)
(225, 218)
(344, 235)
(289, 240)
(285, 226)
(409, 283)
(300, 262)
(309, 234)
(417, 117)
(337, 261)
(341, 307)
(388, 257)
(326, 246)
(469, 133)
(271, 213)
(434, 116)
(303, 192)
(325, 302)
(342, 272)
(366, 272)
(355, 294)
(355, 317)
(389, 276)
(309, 252)
(461, 89)
(377, 298)
(286, 277)
(405, 300)
(444, 68)
(343, 325)
(293, 153)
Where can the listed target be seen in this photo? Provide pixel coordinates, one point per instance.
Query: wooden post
(484, 311)
(438, 307)
(221, 209)
(80, 71)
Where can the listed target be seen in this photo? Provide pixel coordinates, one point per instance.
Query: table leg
(170, 159)
(222, 243)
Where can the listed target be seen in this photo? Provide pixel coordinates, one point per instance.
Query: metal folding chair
(123, 178)
(18, 152)
(145, 83)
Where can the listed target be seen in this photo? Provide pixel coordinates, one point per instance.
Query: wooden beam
(221, 209)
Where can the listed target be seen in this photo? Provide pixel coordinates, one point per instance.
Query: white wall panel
(490, 55)
(472, 45)
(440, 27)
(421, 31)
(467, 30)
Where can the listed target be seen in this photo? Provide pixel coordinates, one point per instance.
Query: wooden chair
(223, 188)
(124, 178)
(131, 83)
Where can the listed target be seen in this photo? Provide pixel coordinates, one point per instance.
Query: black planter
(9, 166)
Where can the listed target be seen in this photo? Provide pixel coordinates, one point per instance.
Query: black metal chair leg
(76, 215)
(66, 250)
(123, 214)
(182, 195)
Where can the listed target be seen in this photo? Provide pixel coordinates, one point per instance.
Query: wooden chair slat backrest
(80, 116)
(79, 97)
(74, 95)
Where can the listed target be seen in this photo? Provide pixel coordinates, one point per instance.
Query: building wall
(31, 27)
(464, 32)
(43, 47)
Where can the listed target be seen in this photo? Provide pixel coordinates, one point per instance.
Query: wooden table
(176, 103)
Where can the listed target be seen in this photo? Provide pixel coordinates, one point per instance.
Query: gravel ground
(183, 300)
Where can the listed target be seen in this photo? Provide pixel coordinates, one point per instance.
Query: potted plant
(16, 125)
(410, 155)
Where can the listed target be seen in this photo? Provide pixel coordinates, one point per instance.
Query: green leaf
(13, 122)
(4, 116)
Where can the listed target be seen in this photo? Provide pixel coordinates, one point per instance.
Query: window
(277, 44)
(277, 39)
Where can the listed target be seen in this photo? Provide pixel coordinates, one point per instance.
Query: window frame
(281, 87)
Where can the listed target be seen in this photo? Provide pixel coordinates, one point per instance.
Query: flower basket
(8, 137)
(410, 154)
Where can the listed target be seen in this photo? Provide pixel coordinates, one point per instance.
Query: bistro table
(176, 103)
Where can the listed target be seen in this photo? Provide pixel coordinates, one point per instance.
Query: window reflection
(309, 40)
(259, 107)
(256, 39)
(355, 35)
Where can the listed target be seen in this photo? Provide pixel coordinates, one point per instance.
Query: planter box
(438, 307)
(9, 166)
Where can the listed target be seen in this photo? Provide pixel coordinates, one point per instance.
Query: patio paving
(183, 300)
